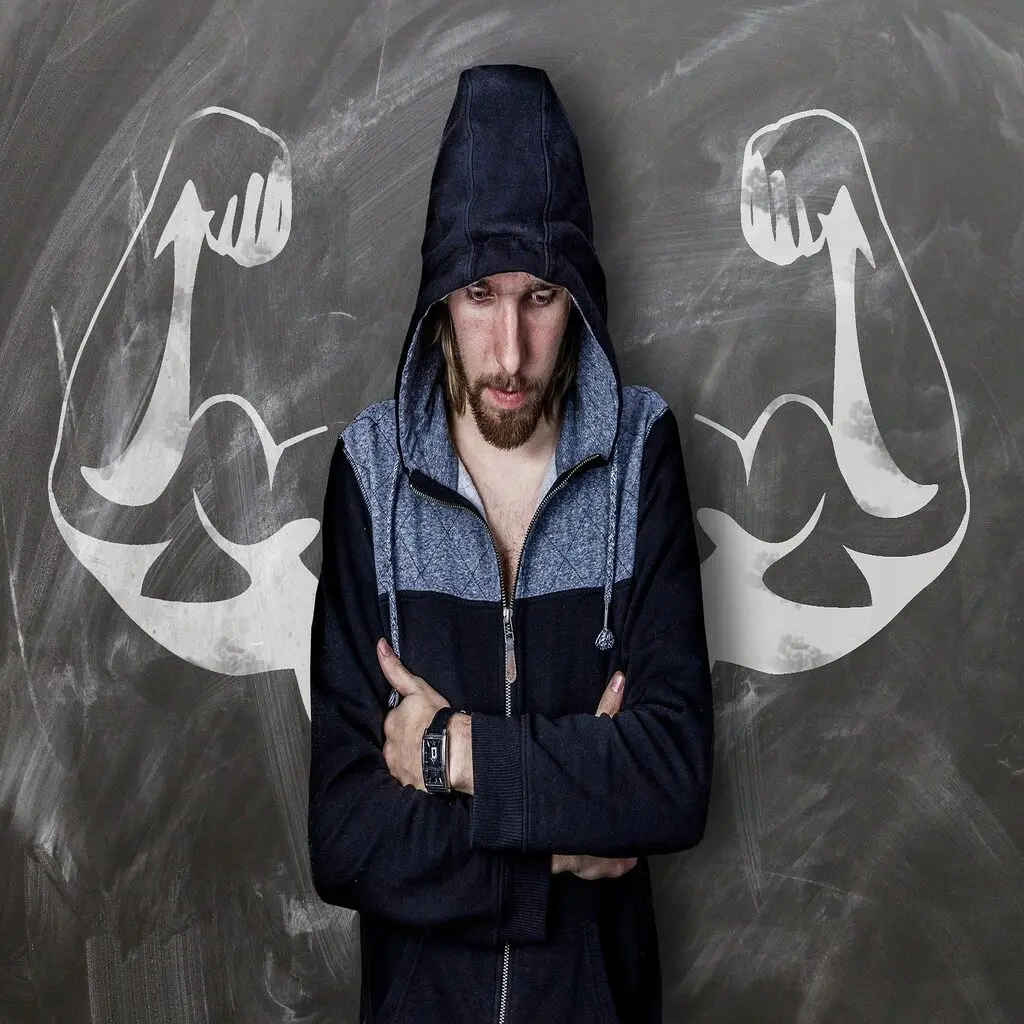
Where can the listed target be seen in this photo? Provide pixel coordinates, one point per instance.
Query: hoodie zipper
(510, 642)
(510, 639)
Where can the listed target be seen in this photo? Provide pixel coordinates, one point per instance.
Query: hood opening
(590, 415)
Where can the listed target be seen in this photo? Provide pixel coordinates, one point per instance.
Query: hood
(508, 193)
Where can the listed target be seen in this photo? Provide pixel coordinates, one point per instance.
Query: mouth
(507, 399)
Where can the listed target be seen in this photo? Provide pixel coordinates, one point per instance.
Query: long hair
(442, 332)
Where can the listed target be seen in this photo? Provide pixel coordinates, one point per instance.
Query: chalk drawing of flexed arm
(265, 627)
(748, 623)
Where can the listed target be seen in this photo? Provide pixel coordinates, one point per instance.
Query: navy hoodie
(461, 920)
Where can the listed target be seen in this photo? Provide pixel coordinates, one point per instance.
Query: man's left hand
(404, 724)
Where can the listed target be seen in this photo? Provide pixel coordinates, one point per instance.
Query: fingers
(611, 699)
(590, 867)
(224, 240)
(276, 221)
(780, 202)
(564, 862)
(806, 242)
(755, 214)
(397, 674)
(251, 206)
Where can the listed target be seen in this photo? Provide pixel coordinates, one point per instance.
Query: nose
(510, 341)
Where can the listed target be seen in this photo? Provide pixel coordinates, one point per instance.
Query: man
(517, 524)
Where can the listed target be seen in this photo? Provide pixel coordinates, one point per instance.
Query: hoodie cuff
(496, 819)
(527, 890)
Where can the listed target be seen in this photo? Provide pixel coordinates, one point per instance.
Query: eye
(545, 298)
(476, 293)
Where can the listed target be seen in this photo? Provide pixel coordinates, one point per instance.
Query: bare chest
(509, 518)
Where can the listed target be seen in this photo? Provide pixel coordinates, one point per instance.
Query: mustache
(505, 384)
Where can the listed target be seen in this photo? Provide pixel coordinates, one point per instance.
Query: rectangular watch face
(433, 763)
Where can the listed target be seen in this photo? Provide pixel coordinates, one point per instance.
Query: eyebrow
(536, 285)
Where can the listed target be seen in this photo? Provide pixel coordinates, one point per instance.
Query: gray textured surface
(864, 858)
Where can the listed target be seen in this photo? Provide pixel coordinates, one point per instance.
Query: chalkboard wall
(811, 219)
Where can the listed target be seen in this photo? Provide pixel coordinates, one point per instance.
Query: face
(508, 332)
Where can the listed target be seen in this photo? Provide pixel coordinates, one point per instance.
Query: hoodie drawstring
(389, 559)
(605, 640)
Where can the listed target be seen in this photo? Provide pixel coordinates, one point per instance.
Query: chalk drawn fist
(765, 214)
(805, 162)
(270, 200)
(251, 230)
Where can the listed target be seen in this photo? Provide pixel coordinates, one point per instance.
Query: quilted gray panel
(445, 548)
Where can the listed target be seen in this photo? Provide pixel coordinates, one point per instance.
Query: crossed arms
(479, 866)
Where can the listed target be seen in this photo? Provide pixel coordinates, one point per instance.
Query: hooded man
(517, 523)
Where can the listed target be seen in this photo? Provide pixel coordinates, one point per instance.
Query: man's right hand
(584, 864)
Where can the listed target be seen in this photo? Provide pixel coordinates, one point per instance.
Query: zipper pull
(510, 645)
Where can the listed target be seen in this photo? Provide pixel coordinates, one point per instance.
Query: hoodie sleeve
(638, 782)
(375, 845)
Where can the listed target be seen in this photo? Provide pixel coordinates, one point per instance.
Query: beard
(504, 428)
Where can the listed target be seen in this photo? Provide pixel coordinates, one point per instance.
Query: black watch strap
(435, 754)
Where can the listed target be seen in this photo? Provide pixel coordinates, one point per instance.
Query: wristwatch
(435, 751)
